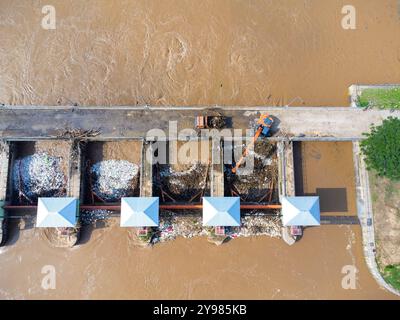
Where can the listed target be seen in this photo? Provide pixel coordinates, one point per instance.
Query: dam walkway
(298, 123)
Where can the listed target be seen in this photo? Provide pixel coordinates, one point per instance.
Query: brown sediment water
(129, 150)
(110, 266)
(326, 169)
(176, 52)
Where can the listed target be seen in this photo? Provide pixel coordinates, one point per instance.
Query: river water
(176, 52)
(109, 266)
(182, 52)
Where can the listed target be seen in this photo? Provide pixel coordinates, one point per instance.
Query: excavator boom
(264, 125)
(246, 151)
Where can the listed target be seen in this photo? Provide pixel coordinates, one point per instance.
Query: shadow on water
(15, 226)
(85, 232)
(298, 169)
(332, 199)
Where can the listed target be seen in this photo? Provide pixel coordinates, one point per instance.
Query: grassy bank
(385, 195)
(380, 98)
(391, 274)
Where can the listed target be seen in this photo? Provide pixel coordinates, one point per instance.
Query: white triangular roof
(221, 211)
(139, 212)
(56, 212)
(300, 211)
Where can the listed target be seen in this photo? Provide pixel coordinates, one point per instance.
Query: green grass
(380, 98)
(374, 196)
(392, 275)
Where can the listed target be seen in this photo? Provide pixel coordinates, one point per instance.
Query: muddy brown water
(177, 52)
(326, 169)
(192, 53)
(129, 150)
(110, 266)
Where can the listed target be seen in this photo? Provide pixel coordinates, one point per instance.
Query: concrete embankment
(4, 161)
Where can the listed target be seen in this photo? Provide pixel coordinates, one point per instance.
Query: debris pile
(260, 183)
(77, 133)
(189, 226)
(217, 122)
(182, 183)
(114, 179)
(260, 225)
(173, 226)
(38, 175)
(88, 217)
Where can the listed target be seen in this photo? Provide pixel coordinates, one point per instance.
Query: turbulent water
(184, 52)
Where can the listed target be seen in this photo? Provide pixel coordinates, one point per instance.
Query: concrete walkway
(316, 123)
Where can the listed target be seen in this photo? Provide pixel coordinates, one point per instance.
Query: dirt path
(385, 196)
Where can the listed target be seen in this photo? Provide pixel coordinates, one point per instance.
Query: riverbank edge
(365, 215)
(356, 90)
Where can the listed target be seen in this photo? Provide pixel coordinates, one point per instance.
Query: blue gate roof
(300, 211)
(139, 212)
(221, 211)
(56, 212)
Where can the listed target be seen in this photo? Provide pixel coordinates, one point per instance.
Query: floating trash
(184, 183)
(39, 175)
(173, 226)
(114, 179)
(88, 217)
(260, 225)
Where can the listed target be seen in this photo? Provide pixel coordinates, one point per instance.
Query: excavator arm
(264, 122)
(246, 151)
